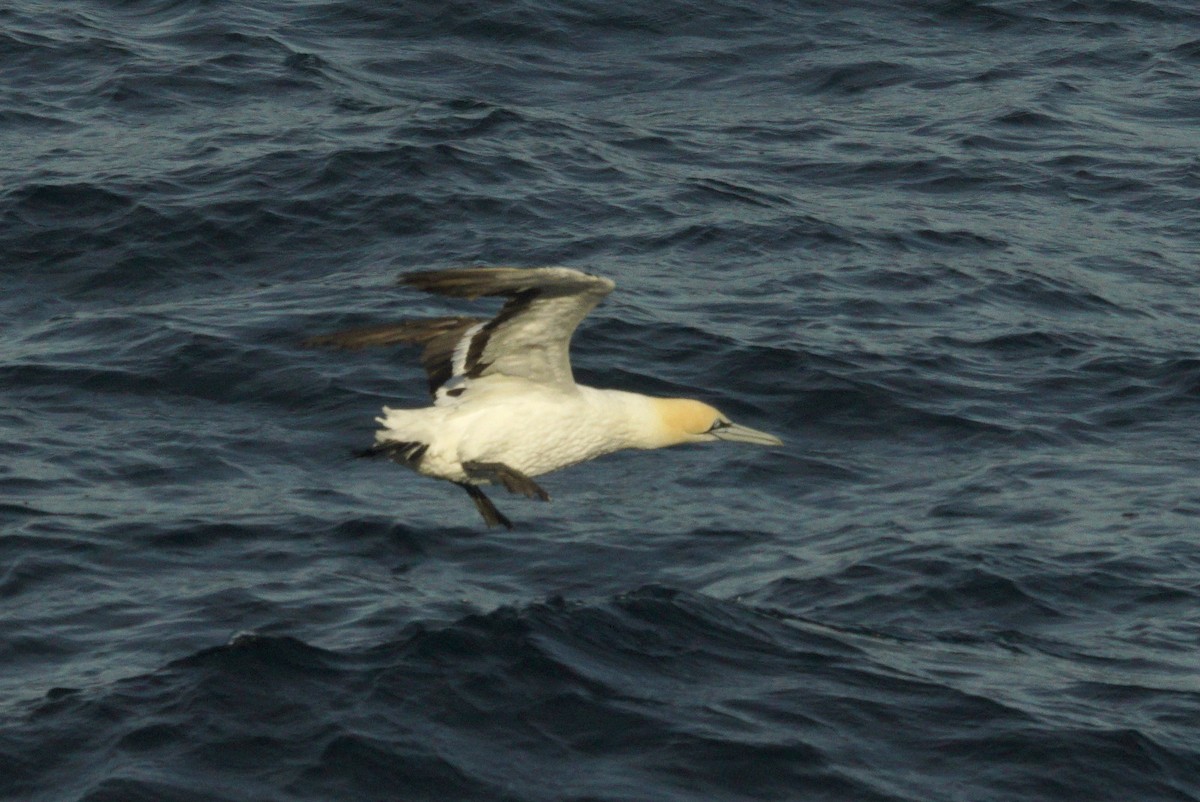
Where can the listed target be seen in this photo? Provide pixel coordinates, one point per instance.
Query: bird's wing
(441, 357)
(531, 336)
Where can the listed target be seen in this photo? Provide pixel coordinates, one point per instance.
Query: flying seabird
(506, 407)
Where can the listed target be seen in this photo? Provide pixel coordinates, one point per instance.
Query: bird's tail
(406, 453)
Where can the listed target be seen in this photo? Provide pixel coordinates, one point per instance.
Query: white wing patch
(458, 360)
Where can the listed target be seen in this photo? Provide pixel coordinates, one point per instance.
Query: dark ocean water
(949, 250)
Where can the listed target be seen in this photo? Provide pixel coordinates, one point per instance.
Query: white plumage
(506, 405)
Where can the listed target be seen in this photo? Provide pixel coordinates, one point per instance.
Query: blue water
(946, 249)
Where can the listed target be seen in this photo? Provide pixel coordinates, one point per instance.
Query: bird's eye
(719, 424)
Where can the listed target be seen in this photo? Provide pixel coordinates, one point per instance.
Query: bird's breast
(536, 438)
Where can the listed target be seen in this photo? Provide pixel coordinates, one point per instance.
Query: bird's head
(688, 421)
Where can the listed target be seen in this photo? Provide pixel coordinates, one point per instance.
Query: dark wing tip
(475, 282)
(405, 331)
(339, 339)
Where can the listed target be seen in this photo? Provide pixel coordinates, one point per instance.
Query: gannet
(506, 407)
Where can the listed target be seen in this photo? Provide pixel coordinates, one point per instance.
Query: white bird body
(506, 406)
(530, 427)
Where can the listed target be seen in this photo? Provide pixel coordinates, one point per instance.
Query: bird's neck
(638, 421)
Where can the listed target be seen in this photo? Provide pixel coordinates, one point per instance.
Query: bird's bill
(744, 434)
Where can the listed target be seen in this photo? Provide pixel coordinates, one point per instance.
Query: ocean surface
(948, 250)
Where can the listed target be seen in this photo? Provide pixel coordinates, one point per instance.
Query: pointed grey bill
(744, 434)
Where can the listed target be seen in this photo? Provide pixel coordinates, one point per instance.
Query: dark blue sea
(948, 250)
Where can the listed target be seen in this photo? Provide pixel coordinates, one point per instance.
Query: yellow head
(687, 421)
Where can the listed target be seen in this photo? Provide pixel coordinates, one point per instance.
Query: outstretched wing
(529, 338)
(441, 357)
